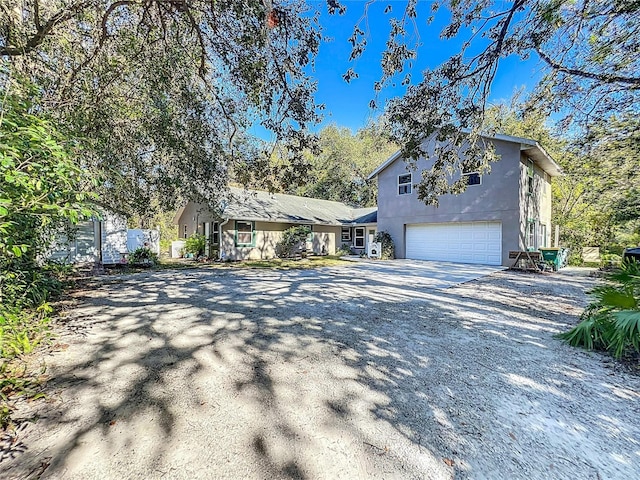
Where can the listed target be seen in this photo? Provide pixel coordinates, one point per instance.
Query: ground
(340, 372)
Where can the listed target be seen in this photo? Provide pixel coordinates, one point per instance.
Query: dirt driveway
(259, 374)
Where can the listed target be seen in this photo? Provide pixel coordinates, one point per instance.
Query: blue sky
(348, 104)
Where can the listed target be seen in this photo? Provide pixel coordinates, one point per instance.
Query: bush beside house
(293, 242)
(388, 248)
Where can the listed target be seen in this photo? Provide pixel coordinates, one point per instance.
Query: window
(184, 234)
(245, 234)
(531, 235)
(542, 239)
(359, 237)
(530, 176)
(346, 234)
(473, 178)
(215, 233)
(404, 184)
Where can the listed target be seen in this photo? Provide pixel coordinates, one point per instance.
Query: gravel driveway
(257, 374)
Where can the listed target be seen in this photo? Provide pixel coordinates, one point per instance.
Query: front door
(372, 235)
(207, 239)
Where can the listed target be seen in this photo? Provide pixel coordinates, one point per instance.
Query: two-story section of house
(507, 209)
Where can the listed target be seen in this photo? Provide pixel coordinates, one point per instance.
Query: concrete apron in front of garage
(421, 273)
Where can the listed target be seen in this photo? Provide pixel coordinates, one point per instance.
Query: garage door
(473, 242)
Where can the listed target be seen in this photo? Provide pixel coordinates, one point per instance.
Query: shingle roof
(277, 207)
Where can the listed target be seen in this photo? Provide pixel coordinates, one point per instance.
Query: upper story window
(184, 232)
(473, 178)
(404, 184)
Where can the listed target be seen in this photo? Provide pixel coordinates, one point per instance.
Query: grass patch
(290, 264)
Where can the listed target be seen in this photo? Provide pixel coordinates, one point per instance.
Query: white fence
(137, 238)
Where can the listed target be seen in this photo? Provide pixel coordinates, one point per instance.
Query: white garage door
(473, 242)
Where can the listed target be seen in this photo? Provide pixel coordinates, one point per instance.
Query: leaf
(618, 299)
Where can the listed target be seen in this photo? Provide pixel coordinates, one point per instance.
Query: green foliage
(21, 330)
(595, 202)
(161, 86)
(586, 49)
(612, 321)
(388, 248)
(40, 184)
(293, 241)
(143, 256)
(195, 245)
(336, 168)
(41, 195)
(345, 249)
(340, 169)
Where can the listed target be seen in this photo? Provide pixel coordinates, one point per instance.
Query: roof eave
(384, 164)
(176, 217)
(540, 156)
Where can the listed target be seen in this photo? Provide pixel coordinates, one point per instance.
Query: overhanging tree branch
(600, 77)
(42, 31)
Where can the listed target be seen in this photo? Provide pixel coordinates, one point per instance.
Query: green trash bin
(552, 255)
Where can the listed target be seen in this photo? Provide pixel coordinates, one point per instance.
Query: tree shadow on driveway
(317, 374)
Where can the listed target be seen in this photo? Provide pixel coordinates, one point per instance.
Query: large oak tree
(159, 93)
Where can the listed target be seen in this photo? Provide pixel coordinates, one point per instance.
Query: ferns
(612, 321)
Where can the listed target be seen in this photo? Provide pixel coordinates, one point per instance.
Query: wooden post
(557, 239)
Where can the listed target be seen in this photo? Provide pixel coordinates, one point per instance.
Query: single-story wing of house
(250, 224)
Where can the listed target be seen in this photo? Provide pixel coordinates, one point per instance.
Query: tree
(339, 168)
(587, 48)
(42, 193)
(158, 93)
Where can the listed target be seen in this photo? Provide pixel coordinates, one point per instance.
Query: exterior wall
(268, 234)
(104, 240)
(326, 238)
(84, 247)
(368, 237)
(496, 199)
(193, 216)
(535, 206)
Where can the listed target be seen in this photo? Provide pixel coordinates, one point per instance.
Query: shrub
(195, 245)
(610, 259)
(293, 241)
(388, 251)
(612, 321)
(143, 256)
(345, 249)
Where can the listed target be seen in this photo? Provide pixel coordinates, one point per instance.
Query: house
(250, 224)
(505, 210)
